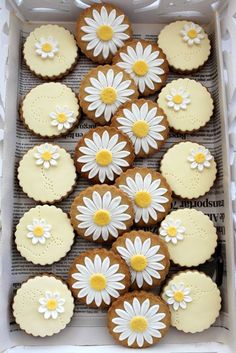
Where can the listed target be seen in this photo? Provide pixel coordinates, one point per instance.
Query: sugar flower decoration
(178, 99)
(200, 158)
(46, 47)
(178, 296)
(39, 231)
(51, 305)
(62, 118)
(172, 230)
(46, 155)
(192, 34)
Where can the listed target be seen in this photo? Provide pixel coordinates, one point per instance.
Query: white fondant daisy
(107, 92)
(102, 216)
(178, 296)
(178, 99)
(103, 156)
(143, 126)
(98, 280)
(46, 155)
(139, 322)
(104, 32)
(192, 34)
(62, 118)
(172, 230)
(51, 305)
(146, 195)
(39, 231)
(46, 47)
(200, 158)
(143, 65)
(143, 259)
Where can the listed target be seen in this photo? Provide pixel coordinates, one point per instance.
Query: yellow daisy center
(38, 231)
(61, 118)
(177, 99)
(46, 156)
(105, 33)
(51, 304)
(172, 231)
(140, 128)
(178, 296)
(140, 68)
(104, 157)
(200, 158)
(46, 47)
(143, 199)
(98, 282)
(138, 324)
(138, 262)
(192, 33)
(108, 95)
(102, 218)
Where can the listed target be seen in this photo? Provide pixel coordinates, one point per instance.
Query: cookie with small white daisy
(146, 63)
(102, 29)
(189, 168)
(97, 277)
(41, 173)
(101, 213)
(149, 192)
(186, 46)
(50, 110)
(147, 256)
(190, 293)
(145, 123)
(187, 104)
(184, 230)
(103, 153)
(50, 52)
(103, 90)
(138, 319)
(43, 305)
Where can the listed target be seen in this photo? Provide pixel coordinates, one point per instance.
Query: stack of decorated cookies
(123, 202)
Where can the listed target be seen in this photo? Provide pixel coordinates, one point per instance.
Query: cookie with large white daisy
(43, 305)
(145, 62)
(50, 51)
(149, 192)
(191, 294)
(103, 90)
(102, 29)
(186, 45)
(189, 168)
(147, 256)
(138, 319)
(187, 104)
(101, 213)
(145, 123)
(41, 173)
(50, 110)
(97, 277)
(103, 153)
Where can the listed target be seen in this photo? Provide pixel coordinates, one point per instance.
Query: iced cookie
(187, 104)
(101, 213)
(186, 46)
(50, 52)
(144, 123)
(185, 230)
(189, 169)
(101, 30)
(138, 319)
(146, 63)
(103, 90)
(103, 153)
(97, 277)
(192, 294)
(43, 305)
(150, 193)
(44, 235)
(50, 110)
(41, 173)
(147, 257)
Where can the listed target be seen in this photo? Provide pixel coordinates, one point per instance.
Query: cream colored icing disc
(179, 54)
(62, 60)
(59, 238)
(185, 181)
(198, 110)
(199, 237)
(204, 308)
(26, 305)
(44, 100)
